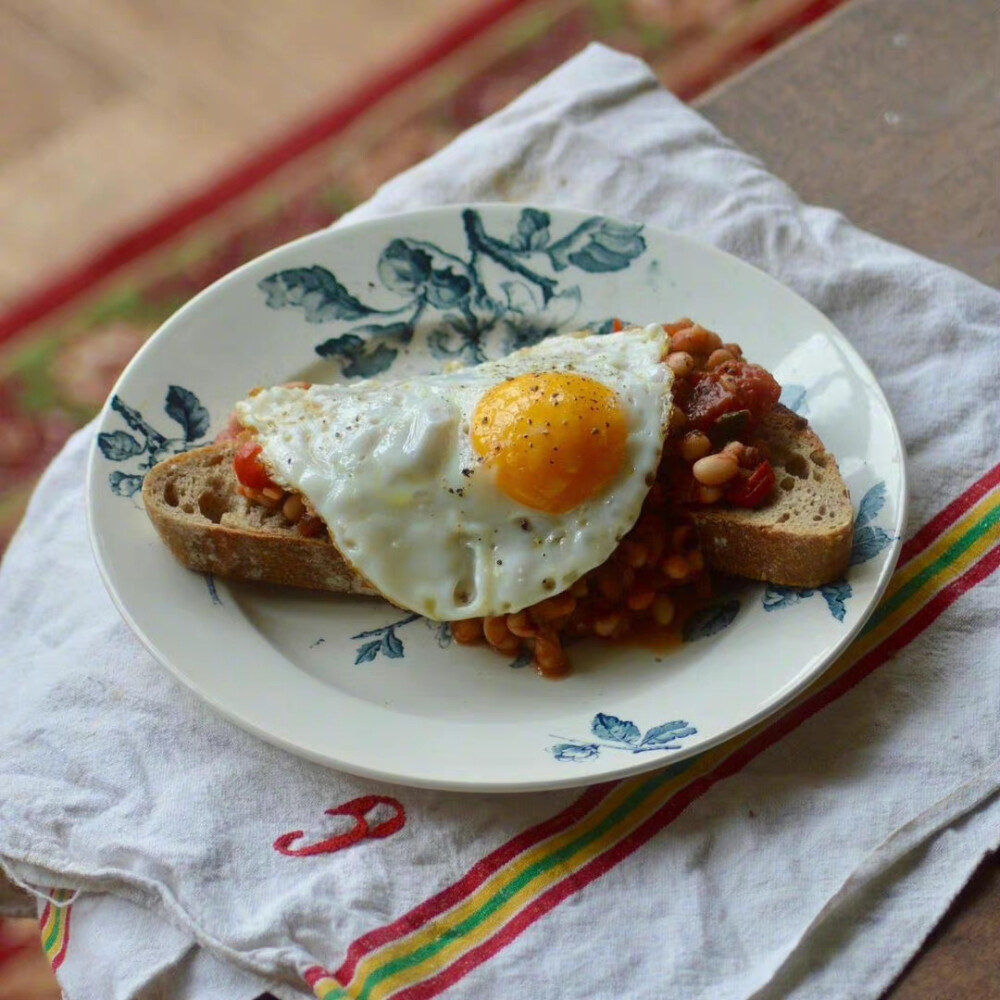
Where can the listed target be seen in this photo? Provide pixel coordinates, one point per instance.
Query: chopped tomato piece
(755, 489)
(733, 386)
(248, 467)
(617, 326)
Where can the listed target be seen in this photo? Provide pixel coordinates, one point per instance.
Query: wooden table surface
(889, 111)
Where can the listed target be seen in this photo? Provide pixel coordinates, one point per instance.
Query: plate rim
(768, 709)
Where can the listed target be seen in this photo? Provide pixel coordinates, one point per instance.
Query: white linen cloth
(815, 870)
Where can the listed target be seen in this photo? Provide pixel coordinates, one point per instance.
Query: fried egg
(484, 490)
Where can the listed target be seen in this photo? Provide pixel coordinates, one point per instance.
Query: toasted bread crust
(802, 536)
(193, 502)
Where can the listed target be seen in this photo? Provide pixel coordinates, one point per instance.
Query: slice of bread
(802, 536)
(194, 503)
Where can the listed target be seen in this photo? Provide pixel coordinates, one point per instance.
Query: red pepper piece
(755, 489)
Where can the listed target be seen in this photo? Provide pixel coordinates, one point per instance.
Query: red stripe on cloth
(238, 181)
(58, 960)
(947, 517)
(471, 881)
(681, 800)
(313, 975)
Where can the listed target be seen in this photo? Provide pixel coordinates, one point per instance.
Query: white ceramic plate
(355, 683)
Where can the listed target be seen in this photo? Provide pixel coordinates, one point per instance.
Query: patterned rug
(62, 347)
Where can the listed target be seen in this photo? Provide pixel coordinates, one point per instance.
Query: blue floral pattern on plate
(711, 620)
(182, 406)
(622, 734)
(383, 641)
(869, 540)
(515, 302)
(213, 591)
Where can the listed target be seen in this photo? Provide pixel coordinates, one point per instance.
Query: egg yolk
(552, 439)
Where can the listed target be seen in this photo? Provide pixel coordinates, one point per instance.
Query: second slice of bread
(802, 536)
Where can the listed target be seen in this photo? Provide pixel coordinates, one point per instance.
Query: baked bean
(719, 357)
(682, 324)
(735, 350)
(511, 646)
(636, 554)
(681, 363)
(293, 508)
(696, 340)
(257, 497)
(736, 449)
(550, 658)
(640, 598)
(676, 566)
(695, 445)
(709, 494)
(607, 625)
(467, 632)
(273, 493)
(678, 419)
(309, 526)
(581, 588)
(663, 610)
(499, 636)
(521, 625)
(560, 606)
(714, 470)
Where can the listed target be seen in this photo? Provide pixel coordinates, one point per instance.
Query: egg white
(390, 468)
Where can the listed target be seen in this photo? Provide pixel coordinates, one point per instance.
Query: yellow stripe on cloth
(475, 919)
(53, 927)
(444, 940)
